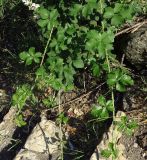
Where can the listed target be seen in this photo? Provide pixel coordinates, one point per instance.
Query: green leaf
(109, 105)
(113, 77)
(32, 51)
(36, 60)
(106, 153)
(78, 63)
(96, 111)
(74, 11)
(118, 7)
(117, 20)
(126, 13)
(109, 12)
(38, 54)
(41, 72)
(44, 13)
(126, 80)
(54, 14)
(23, 55)
(96, 70)
(29, 60)
(42, 22)
(104, 114)
(101, 100)
(19, 121)
(120, 87)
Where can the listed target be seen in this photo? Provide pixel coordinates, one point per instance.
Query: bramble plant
(79, 35)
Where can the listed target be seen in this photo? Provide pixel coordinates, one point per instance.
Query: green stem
(45, 50)
(112, 97)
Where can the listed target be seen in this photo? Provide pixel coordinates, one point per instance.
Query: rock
(133, 46)
(43, 143)
(4, 101)
(107, 137)
(136, 50)
(7, 128)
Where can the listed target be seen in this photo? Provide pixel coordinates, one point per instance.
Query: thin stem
(60, 125)
(45, 50)
(112, 97)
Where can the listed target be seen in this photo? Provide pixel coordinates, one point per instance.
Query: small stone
(135, 145)
(144, 154)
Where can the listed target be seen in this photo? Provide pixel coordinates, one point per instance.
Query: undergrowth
(79, 35)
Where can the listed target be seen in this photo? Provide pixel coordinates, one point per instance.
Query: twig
(131, 29)
(45, 50)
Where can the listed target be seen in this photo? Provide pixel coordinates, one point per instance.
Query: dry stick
(45, 50)
(131, 29)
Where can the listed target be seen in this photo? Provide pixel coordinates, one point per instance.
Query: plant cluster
(78, 35)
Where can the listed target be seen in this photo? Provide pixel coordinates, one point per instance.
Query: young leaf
(109, 12)
(44, 13)
(117, 20)
(78, 63)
